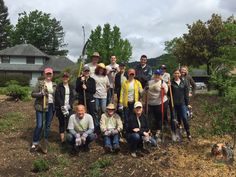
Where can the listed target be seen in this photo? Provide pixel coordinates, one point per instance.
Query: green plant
(22, 80)
(40, 165)
(11, 121)
(17, 92)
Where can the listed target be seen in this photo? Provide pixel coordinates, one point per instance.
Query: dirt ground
(169, 159)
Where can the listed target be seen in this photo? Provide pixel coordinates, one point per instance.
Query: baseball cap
(158, 72)
(48, 70)
(138, 104)
(86, 68)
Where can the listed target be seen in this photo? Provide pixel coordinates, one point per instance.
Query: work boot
(116, 148)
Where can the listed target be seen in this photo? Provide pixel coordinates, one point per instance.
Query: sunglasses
(86, 71)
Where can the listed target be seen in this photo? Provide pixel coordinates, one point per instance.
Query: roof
(23, 50)
(58, 63)
(19, 67)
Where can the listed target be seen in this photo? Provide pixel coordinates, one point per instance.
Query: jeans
(135, 141)
(110, 93)
(100, 104)
(155, 115)
(39, 123)
(71, 139)
(112, 140)
(180, 110)
(127, 111)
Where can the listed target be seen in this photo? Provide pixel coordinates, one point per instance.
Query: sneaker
(134, 155)
(33, 148)
(173, 135)
(189, 137)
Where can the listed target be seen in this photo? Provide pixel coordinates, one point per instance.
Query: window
(30, 60)
(5, 59)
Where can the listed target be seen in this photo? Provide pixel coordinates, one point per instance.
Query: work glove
(120, 107)
(114, 132)
(68, 107)
(78, 139)
(64, 111)
(83, 138)
(107, 133)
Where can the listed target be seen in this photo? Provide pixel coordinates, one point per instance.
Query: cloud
(146, 24)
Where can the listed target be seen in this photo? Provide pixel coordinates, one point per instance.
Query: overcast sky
(147, 24)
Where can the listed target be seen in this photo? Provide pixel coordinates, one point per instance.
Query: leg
(133, 141)
(115, 140)
(184, 118)
(48, 119)
(103, 104)
(38, 128)
(107, 141)
(70, 139)
(62, 123)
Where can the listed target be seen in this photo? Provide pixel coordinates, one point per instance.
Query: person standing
(180, 94)
(112, 70)
(111, 126)
(189, 80)
(165, 74)
(80, 129)
(155, 89)
(102, 86)
(94, 62)
(43, 88)
(130, 93)
(120, 78)
(64, 97)
(86, 86)
(143, 71)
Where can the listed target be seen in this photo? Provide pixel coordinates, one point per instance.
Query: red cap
(131, 71)
(48, 70)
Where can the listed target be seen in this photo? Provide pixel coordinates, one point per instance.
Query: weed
(40, 165)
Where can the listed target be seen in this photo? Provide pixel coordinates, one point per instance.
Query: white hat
(138, 104)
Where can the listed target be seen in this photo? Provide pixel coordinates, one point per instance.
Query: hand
(115, 131)
(77, 135)
(189, 106)
(136, 129)
(84, 86)
(68, 107)
(84, 135)
(120, 107)
(78, 141)
(82, 78)
(162, 85)
(107, 133)
(190, 94)
(146, 133)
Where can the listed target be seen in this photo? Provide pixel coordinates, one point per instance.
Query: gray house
(25, 59)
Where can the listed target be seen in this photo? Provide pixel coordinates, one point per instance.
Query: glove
(83, 138)
(68, 107)
(78, 140)
(107, 133)
(115, 131)
(64, 111)
(120, 107)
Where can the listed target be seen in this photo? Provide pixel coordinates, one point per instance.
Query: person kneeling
(137, 131)
(111, 125)
(80, 129)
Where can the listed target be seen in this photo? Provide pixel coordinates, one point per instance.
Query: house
(199, 75)
(26, 59)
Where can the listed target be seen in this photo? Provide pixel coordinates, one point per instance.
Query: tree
(40, 30)
(108, 42)
(200, 45)
(5, 26)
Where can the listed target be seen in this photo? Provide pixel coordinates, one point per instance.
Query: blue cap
(158, 72)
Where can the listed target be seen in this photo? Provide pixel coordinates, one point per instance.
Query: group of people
(113, 102)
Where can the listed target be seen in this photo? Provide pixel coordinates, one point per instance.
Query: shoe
(134, 155)
(116, 148)
(173, 135)
(33, 148)
(189, 137)
(108, 149)
(139, 154)
(145, 151)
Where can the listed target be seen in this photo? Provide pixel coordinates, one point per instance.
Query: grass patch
(3, 91)
(11, 121)
(96, 167)
(40, 165)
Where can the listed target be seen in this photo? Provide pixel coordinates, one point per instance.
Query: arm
(91, 86)
(119, 123)
(58, 97)
(122, 93)
(36, 93)
(192, 83)
(91, 126)
(103, 123)
(186, 94)
(144, 127)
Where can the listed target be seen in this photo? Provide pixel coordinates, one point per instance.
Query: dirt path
(186, 159)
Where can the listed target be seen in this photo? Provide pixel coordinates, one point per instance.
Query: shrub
(23, 80)
(16, 91)
(40, 165)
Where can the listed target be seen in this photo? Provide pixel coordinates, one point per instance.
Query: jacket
(116, 120)
(180, 92)
(118, 81)
(124, 92)
(89, 92)
(190, 82)
(133, 123)
(60, 96)
(37, 94)
(143, 74)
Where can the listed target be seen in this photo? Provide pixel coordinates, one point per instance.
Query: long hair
(97, 71)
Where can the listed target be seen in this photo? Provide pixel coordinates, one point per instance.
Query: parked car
(200, 85)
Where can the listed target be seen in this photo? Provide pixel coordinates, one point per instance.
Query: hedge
(23, 80)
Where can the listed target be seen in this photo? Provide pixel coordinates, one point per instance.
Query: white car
(200, 85)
